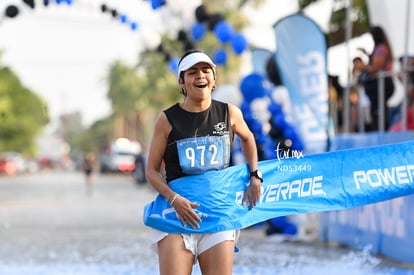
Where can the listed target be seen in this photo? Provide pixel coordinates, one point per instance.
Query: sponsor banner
(260, 57)
(385, 227)
(319, 182)
(301, 57)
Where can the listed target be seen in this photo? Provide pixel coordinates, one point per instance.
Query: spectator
(409, 93)
(364, 105)
(336, 92)
(381, 59)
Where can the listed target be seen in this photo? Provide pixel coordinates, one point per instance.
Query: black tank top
(198, 142)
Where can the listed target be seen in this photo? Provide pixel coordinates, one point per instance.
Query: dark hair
(357, 59)
(272, 71)
(379, 37)
(181, 76)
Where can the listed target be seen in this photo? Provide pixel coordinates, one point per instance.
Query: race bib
(200, 154)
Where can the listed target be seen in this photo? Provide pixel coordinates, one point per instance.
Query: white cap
(192, 59)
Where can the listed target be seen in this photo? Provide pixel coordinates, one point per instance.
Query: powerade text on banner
(319, 182)
(301, 60)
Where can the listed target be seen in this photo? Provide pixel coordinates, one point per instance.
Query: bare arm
(376, 65)
(182, 206)
(249, 148)
(155, 156)
(248, 142)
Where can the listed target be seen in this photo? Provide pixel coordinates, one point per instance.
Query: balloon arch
(264, 116)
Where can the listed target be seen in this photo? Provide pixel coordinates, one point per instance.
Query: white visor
(192, 59)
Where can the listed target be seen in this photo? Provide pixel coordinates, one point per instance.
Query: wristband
(173, 199)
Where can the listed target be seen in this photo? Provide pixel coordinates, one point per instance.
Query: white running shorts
(197, 243)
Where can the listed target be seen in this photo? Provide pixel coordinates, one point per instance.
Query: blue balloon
(253, 86)
(173, 64)
(239, 43)
(275, 109)
(297, 144)
(123, 18)
(279, 222)
(220, 56)
(245, 107)
(279, 121)
(248, 117)
(198, 31)
(257, 129)
(290, 229)
(289, 132)
(269, 148)
(223, 31)
(155, 4)
(134, 26)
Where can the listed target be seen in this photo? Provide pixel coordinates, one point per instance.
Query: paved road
(50, 223)
(51, 217)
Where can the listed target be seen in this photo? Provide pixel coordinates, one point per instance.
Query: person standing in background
(364, 105)
(88, 167)
(381, 59)
(398, 126)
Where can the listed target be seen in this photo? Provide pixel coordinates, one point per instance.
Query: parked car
(7, 167)
(120, 156)
(12, 163)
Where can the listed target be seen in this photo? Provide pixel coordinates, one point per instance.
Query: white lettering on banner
(384, 217)
(313, 79)
(378, 177)
(239, 197)
(309, 125)
(287, 190)
(311, 116)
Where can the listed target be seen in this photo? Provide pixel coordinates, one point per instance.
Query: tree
(22, 115)
(337, 25)
(96, 137)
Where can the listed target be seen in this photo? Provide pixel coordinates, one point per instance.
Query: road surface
(50, 223)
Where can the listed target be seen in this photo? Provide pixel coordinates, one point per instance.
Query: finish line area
(385, 226)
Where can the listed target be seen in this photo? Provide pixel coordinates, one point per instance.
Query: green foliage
(124, 88)
(22, 115)
(146, 88)
(160, 88)
(96, 137)
(304, 3)
(337, 24)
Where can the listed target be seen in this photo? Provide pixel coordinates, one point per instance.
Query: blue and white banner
(260, 58)
(301, 57)
(320, 182)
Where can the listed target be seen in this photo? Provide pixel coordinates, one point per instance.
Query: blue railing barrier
(386, 227)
